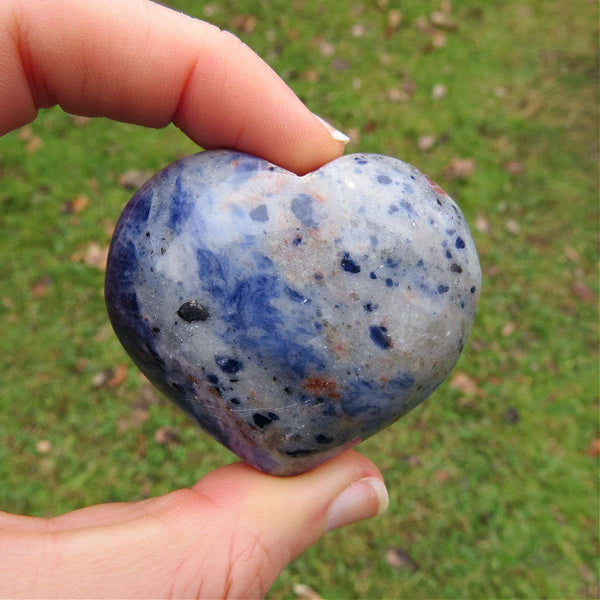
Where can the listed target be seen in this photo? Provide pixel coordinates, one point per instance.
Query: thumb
(228, 537)
(270, 521)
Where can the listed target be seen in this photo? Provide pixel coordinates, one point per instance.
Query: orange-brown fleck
(320, 386)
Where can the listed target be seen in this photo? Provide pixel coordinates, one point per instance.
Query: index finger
(139, 62)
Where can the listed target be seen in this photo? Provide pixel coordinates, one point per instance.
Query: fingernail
(336, 134)
(365, 498)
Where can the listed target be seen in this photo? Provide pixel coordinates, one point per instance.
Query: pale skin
(232, 533)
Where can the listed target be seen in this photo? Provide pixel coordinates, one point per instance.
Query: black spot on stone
(271, 168)
(379, 336)
(273, 416)
(288, 391)
(473, 290)
(448, 255)
(323, 439)
(147, 234)
(319, 276)
(460, 243)
(368, 307)
(297, 241)
(229, 365)
(260, 420)
(349, 265)
(438, 201)
(212, 378)
(259, 214)
(192, 311)
(372, 275)
(442, 289)
(389, 282)
(299, 453)
(234, 400)
(156, 330)
(162, 250)
(456, 268)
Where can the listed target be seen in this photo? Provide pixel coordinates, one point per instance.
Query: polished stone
(292, 316)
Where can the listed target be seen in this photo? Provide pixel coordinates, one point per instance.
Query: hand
(234, 531)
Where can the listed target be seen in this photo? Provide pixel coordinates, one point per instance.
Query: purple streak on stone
(292, 316)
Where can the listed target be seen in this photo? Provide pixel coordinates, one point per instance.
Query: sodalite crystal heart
(292, 316)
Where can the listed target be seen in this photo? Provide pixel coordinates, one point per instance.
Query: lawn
(494, 480)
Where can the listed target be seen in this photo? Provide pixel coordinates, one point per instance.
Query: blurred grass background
(494, 481)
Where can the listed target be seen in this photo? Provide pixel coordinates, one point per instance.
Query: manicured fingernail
(365, 498)
(336, 134)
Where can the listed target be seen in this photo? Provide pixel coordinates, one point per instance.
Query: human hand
(235, 530)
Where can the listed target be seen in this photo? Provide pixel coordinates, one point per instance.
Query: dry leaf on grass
(439, 39)
(583, 292)
(94, 256)
(303, 592)
(119, 375)
(40, 287)
(136, 417)
(571, 254)
(594, 448)
(513, 167)
(34, 144)
(134, 179)
(464, 383)
(426, 142)
(439, 91)
(460, 168)
(244, 23)
(44, 446)
(165, 435)
(358, 30)
(400, 559)
(324, 46)
(512, 226)
(508, 328)
(481, 224)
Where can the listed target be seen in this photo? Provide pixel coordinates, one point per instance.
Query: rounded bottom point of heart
(290, 316)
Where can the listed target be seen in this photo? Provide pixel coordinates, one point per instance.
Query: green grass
(494, 495)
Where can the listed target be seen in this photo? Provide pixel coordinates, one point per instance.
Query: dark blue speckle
(302, 209)
(448, 254)
(389, 282)
(473, 290)
(297, 241)
(403, 381)
(296, 296)
(370, 307)
(212, 378)
(259, 214)
(442, 289)
(349, 265)
(384, 179)
(420, 263)
(450, 231)
(380, 337)
(318, 326)
(393, 209)
(228, 365)
(408, 207)
(460, 243)
(372, 275)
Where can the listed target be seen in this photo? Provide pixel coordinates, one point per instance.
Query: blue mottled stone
(292, 316)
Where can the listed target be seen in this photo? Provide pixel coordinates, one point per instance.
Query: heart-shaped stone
(292, 316)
